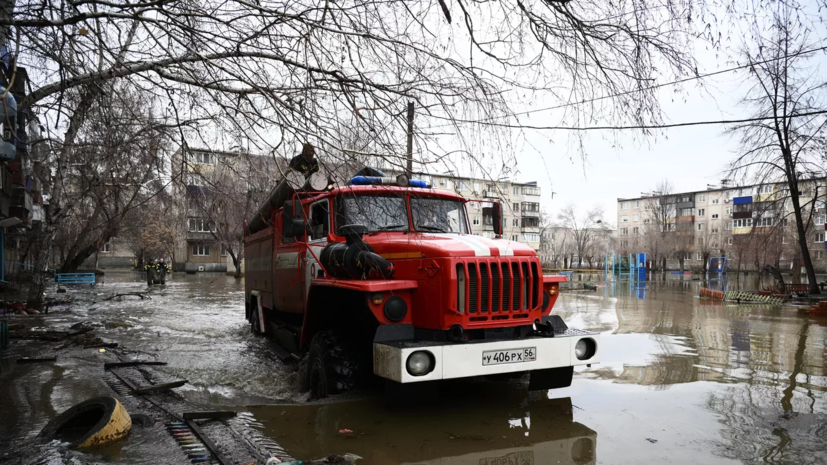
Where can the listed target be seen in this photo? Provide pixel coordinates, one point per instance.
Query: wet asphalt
(682, 380)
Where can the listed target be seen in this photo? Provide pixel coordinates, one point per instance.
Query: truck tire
(333, 366)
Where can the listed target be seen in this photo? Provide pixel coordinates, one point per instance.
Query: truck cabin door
(317, 240)
(288, 275)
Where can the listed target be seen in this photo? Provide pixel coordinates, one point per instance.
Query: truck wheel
(332, 366)
(255, 325)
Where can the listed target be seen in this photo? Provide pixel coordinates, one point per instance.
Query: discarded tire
(89, 423)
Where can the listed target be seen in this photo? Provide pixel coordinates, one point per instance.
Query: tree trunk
(802, 232)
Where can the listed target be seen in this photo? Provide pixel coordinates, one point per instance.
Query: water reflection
(766, 363)
(491, 424)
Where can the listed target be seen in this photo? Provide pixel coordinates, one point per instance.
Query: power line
(658, 126)
(621, 94)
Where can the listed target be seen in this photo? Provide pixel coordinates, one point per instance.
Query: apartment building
(750, 225)
(520, 202)
(214, 193)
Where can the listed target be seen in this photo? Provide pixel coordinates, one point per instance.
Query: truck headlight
(420, 363)
(585, 348)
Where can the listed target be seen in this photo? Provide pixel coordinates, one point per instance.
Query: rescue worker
(150, 272)
(305, 162)
(163, 268)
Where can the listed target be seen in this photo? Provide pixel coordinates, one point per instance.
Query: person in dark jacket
(150, 272)
(305, 162)
(163, 269)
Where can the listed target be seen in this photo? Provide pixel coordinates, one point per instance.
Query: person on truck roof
(305, 162)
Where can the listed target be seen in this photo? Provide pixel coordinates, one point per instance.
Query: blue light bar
(387, 181)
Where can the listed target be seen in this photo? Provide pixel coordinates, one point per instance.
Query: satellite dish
(294, 179)
(317, 182)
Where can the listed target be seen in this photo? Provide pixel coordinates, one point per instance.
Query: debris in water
(652, 440)
(345, 431)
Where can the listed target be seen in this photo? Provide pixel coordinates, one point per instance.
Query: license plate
(499, 357)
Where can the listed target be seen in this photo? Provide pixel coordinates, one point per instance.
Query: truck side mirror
(498, 219)
(293, 223)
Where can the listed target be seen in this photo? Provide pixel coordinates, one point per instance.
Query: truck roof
(376, 189)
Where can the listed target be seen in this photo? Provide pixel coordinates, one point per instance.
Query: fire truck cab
(376, 278)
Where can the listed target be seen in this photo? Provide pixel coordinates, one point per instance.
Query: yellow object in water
(117, 427)
(89, 423)
(101, 350)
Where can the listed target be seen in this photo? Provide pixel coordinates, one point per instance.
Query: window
(819, 254)
(223, 250)
(687, 256)
(439, 215)
(635, 230)
(516, 190)
(200, 225)
(475, 205)
(819, 237)
(624, 205)
(729, 241)
(515, 223)
(531, 237)
(195, 180)
(646, 221)
(700, 226)
(765, 189)
(463, 186)
(727, 225)
(701, 198)
(742, 223)
(516, 207)
(714, 216)
(686, 212)
(701, 212)
(715, 230)
(764, 222)
(531, 207)
(783, 239)
(715, 201)
(699, 256)
(624, 219)
(729, 211)
(635, 217)
(476, 187)
(488, 234)
(515, 237)
(319, 219)
(476, 221)
(105, 247)
(200, 250)
(624, 231)
(202, 158)
(714, 245)
(820, 218)
(376, 212)
(636, 204)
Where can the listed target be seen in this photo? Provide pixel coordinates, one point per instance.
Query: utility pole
(409, 170)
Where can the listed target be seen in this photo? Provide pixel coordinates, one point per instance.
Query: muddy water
(681, 381)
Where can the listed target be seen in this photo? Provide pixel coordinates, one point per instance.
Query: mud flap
(550, 378)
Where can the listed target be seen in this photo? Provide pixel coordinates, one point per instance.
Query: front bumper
(463, 360)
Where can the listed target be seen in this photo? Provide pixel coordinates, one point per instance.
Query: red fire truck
(383, 277)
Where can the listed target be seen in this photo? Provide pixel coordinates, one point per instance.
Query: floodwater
(681, 380)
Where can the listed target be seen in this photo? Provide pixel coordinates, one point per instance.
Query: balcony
(739, 231)
(199, 236)
(741, 215)
(742, 200)
(490, 194)
(686, 219)
(530, 214)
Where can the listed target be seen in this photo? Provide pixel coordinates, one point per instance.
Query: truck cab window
(439, 215)
(320, 219)
(377, 212)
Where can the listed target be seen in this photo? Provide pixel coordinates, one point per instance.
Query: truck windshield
(377, 212)
(439, 215)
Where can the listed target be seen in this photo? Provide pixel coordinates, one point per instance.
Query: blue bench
(76, 278)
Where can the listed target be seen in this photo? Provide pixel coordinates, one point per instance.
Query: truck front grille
(497, 288)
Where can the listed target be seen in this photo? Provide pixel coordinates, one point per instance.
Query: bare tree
(787, 141)
(659, 222)
(583, 229)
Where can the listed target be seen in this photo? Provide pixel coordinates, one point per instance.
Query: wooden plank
(132, 363)
(160, 387)
(208, 442)
(216, 415)
(36, 359)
